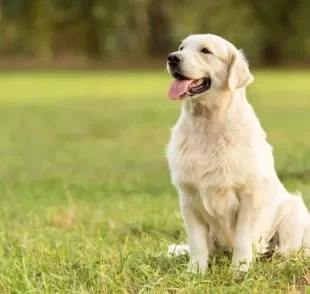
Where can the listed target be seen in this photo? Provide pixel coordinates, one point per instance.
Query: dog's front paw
(177, 250)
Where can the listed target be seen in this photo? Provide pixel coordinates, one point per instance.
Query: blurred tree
(91, 28)
(81, 15)
(38, 17)
(277, 19)
(160, 26)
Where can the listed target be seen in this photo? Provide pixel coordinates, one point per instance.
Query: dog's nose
(173, 59)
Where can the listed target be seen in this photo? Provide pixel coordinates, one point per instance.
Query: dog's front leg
(242, 249)
(254, 219)
(197, 234)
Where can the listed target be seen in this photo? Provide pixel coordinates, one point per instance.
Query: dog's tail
(177, 250)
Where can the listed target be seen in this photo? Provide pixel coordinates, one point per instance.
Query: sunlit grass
(86, 200)
(43, 87)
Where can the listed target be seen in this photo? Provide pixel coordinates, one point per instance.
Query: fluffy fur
(223, 168)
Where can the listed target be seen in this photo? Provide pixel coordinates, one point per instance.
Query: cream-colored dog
(222, 165)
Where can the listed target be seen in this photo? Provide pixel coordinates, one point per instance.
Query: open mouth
(184, 86)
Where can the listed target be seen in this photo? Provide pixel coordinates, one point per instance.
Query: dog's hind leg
(294, 228)
(306, 238)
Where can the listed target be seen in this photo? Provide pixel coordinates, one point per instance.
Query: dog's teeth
(197, 83)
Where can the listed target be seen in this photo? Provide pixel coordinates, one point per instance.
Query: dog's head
(204, 64)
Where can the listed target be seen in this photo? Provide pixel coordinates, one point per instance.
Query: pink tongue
(178, 88)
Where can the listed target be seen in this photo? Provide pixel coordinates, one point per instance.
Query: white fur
(223, 167)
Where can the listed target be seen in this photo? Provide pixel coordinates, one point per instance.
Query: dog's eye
(181, 48)
(205, 51)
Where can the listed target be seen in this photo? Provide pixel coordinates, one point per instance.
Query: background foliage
(271, 32)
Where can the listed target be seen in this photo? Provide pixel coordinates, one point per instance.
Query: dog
(221, 163)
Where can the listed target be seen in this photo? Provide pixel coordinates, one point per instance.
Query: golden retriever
(221, 163)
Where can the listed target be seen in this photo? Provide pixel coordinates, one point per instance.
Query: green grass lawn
(86, 200)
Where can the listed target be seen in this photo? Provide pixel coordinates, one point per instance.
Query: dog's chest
(206, 159)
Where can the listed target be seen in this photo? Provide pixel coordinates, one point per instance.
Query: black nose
(173, 59)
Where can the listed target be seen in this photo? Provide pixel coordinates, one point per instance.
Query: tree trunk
(93, 47)
(160, 27)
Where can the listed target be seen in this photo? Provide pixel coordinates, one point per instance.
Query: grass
(86, 200)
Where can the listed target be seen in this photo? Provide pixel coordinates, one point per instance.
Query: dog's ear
(239, 75)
